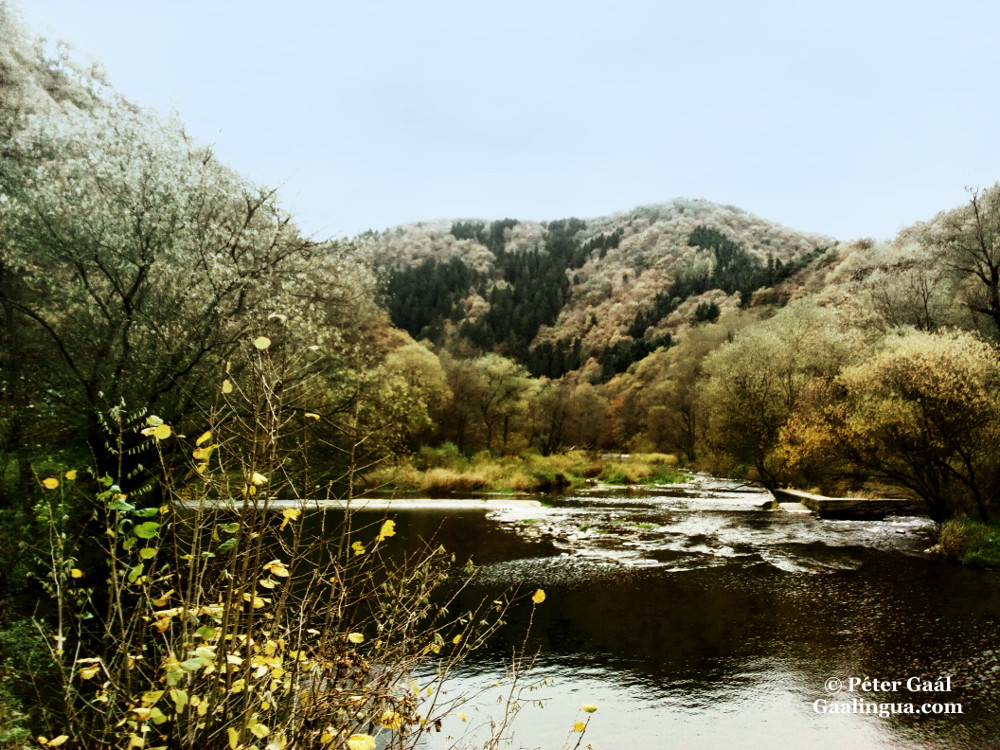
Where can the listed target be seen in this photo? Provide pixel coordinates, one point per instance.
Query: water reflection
(701, 621)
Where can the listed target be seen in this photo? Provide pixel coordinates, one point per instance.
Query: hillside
(553, 295)
(36, 76)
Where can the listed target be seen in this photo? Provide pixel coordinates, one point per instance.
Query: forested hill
(553, 295)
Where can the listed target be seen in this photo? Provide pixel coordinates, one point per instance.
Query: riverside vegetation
(148, 292)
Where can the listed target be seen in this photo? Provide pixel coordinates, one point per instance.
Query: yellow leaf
(259, 730)
(227, 386)
(70, 475)
(391, 720)
(579, 726)
(312, 415)
(205, 436)
(356, 637)
(589, 707)
(388, 529)
(267, 583)
(89, 673)
(538, 597)
(276, 567)
(162, 431)
(262, 342)
(289, 514)
(359, 548)
(360, 742)
(141, 713)
(256, 600)
(57, 741)
(258, 479)
(163, 599)
(234, 738)
(457, 639)
(76, 573)
(462, 717)
(202, 454)
(51, 483)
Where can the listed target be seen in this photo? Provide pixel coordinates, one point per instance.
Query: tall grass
(442, 472)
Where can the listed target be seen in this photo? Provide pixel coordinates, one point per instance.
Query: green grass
(972, 543)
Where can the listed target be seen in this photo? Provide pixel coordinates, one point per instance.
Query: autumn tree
(900, 284)
(923, 414)
(970, 239)
(501, 394)
(755, 382)
(674, 414)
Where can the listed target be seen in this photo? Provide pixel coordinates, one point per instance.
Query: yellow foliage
(538, 597)
(361, 742)
(289, 514)
(391, 720)
(277, 568)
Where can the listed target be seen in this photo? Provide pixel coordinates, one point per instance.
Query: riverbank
(445, 472)
(972, 543)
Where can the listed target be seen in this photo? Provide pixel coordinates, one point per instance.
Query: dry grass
(442, 472)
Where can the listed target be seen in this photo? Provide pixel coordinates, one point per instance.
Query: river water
(695, 619)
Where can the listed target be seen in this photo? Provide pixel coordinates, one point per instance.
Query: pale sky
(844, 118)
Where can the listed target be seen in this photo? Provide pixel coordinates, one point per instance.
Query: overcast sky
(846, 118)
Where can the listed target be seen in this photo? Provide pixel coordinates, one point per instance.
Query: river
(695, 619)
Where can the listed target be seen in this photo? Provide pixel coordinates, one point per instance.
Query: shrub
(201, 616)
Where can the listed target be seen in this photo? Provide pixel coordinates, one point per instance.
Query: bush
(447, 456)
(970, 542)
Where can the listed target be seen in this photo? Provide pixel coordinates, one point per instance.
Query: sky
(850, 119)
